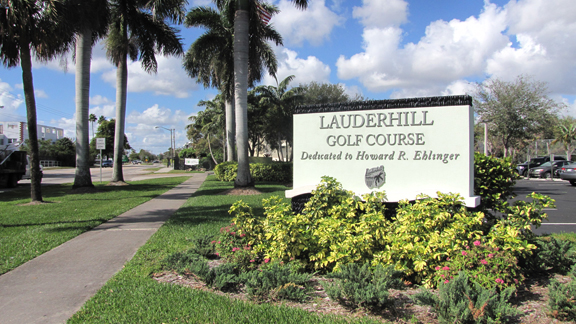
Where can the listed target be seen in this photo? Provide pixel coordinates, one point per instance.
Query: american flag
(265, 16)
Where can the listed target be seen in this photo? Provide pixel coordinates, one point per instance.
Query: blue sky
(379, 48)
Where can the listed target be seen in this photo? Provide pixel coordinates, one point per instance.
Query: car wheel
(546, 175)
(12, 181)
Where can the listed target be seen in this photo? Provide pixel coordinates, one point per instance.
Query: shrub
(277, 171)
(491, 267)
(425, 233)
(357, 286)
(550, 256)
(335, 227)
(224, 277)
(203, 245)
(494, 181)
(460, 301)
(186, 263)
(562, 300)
(277, 281)
(233, 246)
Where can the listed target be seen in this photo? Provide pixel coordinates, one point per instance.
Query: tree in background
(92, 119)
(30, 27)
(566, 135)
(515, 111)
(281, 102)
(325, 93)
(209, 123)
(139, 30)
(107, 130)
(62, 150)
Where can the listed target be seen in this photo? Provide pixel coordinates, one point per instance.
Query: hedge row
(277, 171)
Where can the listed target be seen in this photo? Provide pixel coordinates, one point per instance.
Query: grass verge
(132, 296)
(26, 231)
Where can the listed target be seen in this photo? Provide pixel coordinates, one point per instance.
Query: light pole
(171, 147)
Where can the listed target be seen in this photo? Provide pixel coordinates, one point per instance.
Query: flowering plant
(234, 247)
(489, 266)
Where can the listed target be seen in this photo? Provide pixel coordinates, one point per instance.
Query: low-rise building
(17, 132)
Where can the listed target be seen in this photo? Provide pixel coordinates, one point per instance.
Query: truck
(12, 167)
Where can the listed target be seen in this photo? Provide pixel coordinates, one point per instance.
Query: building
(17, 132)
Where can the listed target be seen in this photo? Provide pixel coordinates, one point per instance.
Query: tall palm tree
(91, 20)
(92, 119)
(138, 30)
(210, 59)
(282, 101)
(245, 12)
(29, 27)
(210, 121)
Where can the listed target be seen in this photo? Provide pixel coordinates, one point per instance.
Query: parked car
(107, 164)
(544, 170)
(523, 168)
(136, 162)
(568, 172)
(28, 175)
(156, 161)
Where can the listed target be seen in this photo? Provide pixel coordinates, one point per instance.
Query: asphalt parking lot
(563, 217)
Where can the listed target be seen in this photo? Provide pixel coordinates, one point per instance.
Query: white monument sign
(188, 161)
(405, 147)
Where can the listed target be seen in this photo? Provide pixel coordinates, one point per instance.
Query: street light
(171, 147)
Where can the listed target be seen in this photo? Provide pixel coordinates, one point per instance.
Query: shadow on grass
(101, 220)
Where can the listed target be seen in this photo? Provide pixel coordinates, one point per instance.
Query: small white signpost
(191, 161)
(100, 145)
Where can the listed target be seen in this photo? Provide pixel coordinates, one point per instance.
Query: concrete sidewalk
(53, 286)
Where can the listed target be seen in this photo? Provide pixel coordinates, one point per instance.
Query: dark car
(523, 168)
(568, 172)
(107, 164)
(545, 169)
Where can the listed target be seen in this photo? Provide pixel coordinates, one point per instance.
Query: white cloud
(68, 124)
(40, 93)
(305, 70)
(381, 13)
(100, 100)
(170, 80)
(312, 25)
(142, 132)
(449, 51)
(108, 111)
(10, 103)
(544, 31)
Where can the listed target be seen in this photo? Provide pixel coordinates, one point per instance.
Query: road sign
(100, 143)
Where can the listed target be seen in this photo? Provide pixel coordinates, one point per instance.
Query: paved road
(563, 217)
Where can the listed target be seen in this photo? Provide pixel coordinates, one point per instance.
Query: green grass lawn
(132, 296)
(28, 231)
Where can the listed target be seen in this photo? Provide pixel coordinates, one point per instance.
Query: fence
(50, 163)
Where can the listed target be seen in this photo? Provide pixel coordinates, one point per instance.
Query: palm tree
(210, 59)
(566, 135)
(91, 20)
(32, 27)
(92, 119)
(281, 101)
(211, 120)
(138, 29)
(245, 12)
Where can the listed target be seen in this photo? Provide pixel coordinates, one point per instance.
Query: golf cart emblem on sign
(375, 177)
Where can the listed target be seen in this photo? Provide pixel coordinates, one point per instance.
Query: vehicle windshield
(546, 164)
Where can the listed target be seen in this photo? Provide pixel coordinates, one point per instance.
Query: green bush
(276, 281)
(462, 301)
(233, 246)
(494, 181)
(187, 262)
(277, 171)
(562, 300)
(204, 246)
(427, 232)
(357, 286)
(491, 267)
(550, 256)
(224, 277)
(335, 228)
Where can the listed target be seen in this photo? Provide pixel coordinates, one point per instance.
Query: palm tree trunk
(82, 176)
(210, 149)
(121, 90)
(26, 63)
(241, 23)
(230, 130)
